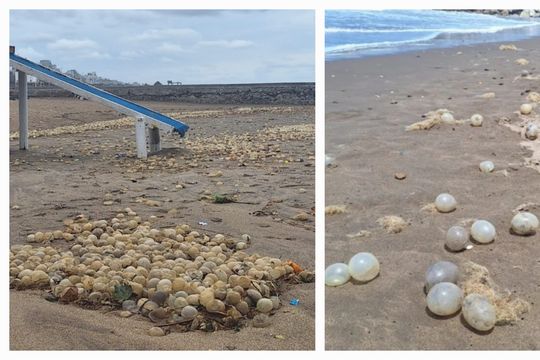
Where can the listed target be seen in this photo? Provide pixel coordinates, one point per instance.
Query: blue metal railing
(178, 126)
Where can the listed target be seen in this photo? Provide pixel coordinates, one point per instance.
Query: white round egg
(483, 231)
(479, 312)
(447, 118)
(532, 131)
(445, 203)
(364, 266)
(487, 166)
(441, 271)
(477, 120)
(525, 109)
(524, 223)
(444, 299)
(336, 274)
(457, 238)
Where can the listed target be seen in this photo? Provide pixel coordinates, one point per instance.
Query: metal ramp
(148, 124)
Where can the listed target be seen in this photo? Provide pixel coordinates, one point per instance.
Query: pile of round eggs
(445, 298)
(362, 267)
(173, 273)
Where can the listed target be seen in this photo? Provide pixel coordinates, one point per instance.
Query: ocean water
(360, 33)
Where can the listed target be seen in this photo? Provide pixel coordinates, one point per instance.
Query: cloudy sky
(194, 47)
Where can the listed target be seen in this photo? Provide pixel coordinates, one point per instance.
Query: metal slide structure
(148, 123)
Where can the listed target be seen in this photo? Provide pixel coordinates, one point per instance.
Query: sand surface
(62, 176)
(368, 103)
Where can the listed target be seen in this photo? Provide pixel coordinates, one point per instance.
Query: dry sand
(365, 129)
(62, 176)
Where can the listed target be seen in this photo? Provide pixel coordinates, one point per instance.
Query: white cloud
(29, 53)
(229, 44)
(157, 34)
(168, 48)
(68, 45)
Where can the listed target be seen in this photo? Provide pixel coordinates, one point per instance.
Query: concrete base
(23, 111)
(140, 137)
(154, 142)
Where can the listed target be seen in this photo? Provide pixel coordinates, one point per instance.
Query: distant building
(157, 83)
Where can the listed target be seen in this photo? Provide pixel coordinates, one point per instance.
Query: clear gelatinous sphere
(532, 131)
(525, 223)
(477, 120)
(447, 118)
(444, 299)
(457, 238)
(445, 203)
(441, 271)
(487, 166)
(336, 274)
(364, 266)
(483, 231)
(479, 312)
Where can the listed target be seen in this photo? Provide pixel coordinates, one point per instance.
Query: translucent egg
(336, 274)
(328, 159)
(445, 203)
(441, 271)
(364, 266)
(444, 299)
(483, 231)
(457, 238)
(477, 120)
(524, 223)
(479, 312)
(487, 166)
(525, 109)
(447, 118)
(531, 132)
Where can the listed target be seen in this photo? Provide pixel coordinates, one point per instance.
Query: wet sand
(64, 175)
(369, 102)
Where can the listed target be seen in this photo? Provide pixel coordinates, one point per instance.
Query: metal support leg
(23, 111)
(140, 136)
(154, 142)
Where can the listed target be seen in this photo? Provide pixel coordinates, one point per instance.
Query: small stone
(156, 331)
(400, 175)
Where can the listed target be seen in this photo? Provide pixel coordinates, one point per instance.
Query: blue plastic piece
(294, 302)
(178, 126)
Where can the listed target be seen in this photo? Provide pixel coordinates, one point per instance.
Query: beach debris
(441, 271)
(525, 109)
(533, 96)
(522, 61)
(261, 321)
(433, 118)
(431, 208)
(526, 207)
(477, 120)
(156, 331)
(486, 166)
(445, 203)
(302, 216)
(364, 267)
(218, 173)
(164, 273)
(328, 159)
(524, 223)
(504, 47)
(488, 95)
(400, 176)
(336, 274)
(222, 199)
(203, 223)
(294, 302)
(483, 231)
(361, 233)
(476, 280)
(392, 224)
(457, 238)
(479, 312)
(444, 299)
(334, 209)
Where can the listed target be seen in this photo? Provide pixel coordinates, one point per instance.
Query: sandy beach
(369, 102)
(270, 166)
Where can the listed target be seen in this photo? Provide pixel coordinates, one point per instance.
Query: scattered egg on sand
(483, 231)
(487, 166)
(477, 120)
(532, 131)
(445, 203)
(479, 312)
(441, 271)
(447, 118)
(525, 109)
(364, 267)
(525, 223)
(336, 274)
(444, 299)
(457, 238)
(328, 159)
